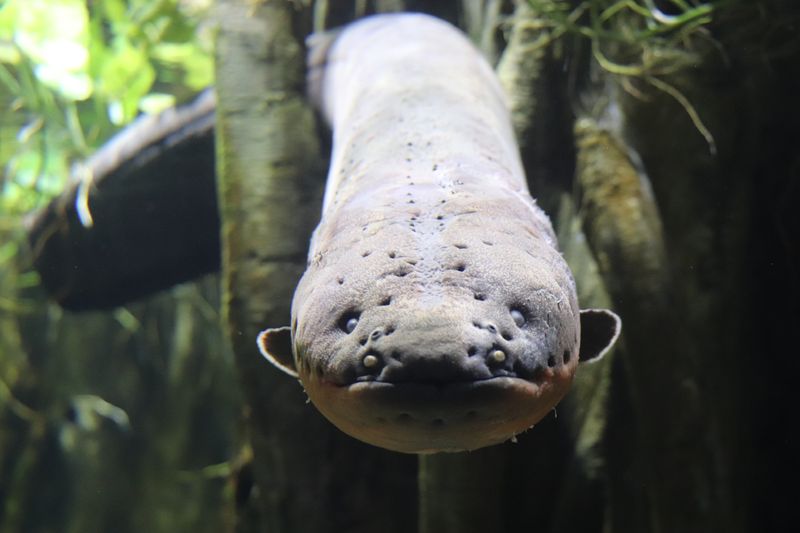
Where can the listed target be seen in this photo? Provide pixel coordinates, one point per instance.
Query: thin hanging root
(82, 197)
(612, 67)
(691, 20)
(612, 10)
(688, 107)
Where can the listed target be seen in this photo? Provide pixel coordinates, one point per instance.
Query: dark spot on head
(340, 280)
(472, 350)
(567, 356)
(362, 341)
(479, 296)
(460, 246)
(409, 144)
(476, 324)
(551, 361)
(365, 253)
(411, 201)
(388, 330)
(461, 267)
(392, 254)
(443, 201)
(386, 301)
(408, 159)
(507, 336)
(440, 217)
(435, 167)
(488, 243)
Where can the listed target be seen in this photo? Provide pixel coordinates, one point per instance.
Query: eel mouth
(438, 417)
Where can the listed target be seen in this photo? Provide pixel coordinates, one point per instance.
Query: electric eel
(436, 312)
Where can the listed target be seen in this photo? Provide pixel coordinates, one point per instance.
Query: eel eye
(348, 322)
(519, 318)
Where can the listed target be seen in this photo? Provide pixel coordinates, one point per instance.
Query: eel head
(470, 364)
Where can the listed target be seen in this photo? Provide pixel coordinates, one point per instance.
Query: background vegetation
(119, 421)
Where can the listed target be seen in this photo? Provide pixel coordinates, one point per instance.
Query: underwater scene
(397, 266)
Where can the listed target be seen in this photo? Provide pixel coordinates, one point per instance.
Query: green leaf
(156, 102)
(126, 77)
(73, 71)
(54, 35)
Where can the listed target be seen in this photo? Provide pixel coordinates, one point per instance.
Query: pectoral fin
(600, 329)
(276, 346)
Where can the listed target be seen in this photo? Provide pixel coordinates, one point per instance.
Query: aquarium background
(659, 135)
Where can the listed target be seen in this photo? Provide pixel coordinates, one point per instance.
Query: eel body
(436, 312)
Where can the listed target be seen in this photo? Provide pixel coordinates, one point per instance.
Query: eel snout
(445, 345)
(438, 380)
(444, 378)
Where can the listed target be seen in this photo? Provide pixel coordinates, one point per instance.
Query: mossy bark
(675, 274)
(308, 476)
(462, 492)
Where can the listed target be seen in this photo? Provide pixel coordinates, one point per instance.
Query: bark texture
(309, 476)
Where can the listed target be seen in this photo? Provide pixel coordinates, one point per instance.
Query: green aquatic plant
(73, 72)
(638, 39)
(631, 37)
